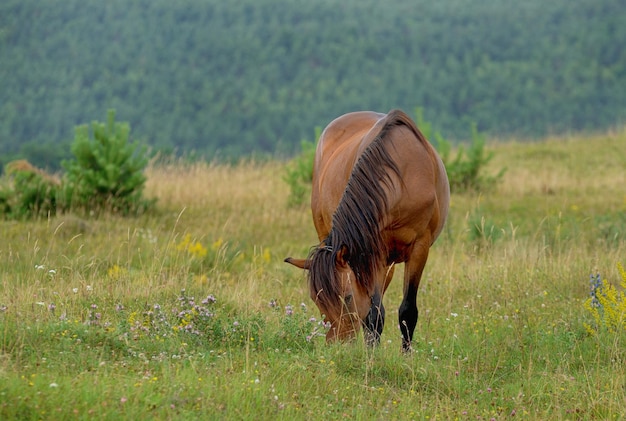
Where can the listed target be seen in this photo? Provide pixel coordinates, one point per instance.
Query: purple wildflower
(596, 286)
(210, 299)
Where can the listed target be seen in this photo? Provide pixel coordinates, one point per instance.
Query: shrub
(28, 191)
(465, 169)
(299, 173)
(107, 170)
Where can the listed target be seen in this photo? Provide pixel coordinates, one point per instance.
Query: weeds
(607, 305)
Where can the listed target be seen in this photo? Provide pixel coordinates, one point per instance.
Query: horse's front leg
(375, 320)
(408, 313)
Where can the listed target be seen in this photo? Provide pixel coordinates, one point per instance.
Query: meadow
(190, 313)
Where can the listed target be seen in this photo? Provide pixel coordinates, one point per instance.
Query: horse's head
(334, 288)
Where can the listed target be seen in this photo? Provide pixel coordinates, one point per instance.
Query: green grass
(96, 320)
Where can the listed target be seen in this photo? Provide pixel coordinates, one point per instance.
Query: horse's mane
(357, 219)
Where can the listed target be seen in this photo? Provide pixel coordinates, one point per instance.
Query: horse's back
(337, 151)
(340, 139)
(345, 139)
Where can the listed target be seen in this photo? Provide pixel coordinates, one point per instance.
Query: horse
(380, 196)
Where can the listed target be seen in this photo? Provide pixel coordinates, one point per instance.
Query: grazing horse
(380, 197)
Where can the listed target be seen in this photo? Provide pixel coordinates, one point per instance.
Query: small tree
(107, 170)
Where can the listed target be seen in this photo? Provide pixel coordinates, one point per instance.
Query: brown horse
(380, 196)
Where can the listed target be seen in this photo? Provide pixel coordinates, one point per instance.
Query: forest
(226, 80)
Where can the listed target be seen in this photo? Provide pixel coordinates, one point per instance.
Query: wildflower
(119, 307)
(197, 249)
(607, 304)
(193, 248)
(123, 399)
(89, 288)
(288, 309)
(210, 299)
(39, 267)
(75, 290)
(272, 303)
(303, 306)
(217, 244)
(51, 307)
(596, 286)
(3, 308)
(54, 385)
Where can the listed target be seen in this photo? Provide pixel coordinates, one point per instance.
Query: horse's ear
(300, 263)
(342, 257)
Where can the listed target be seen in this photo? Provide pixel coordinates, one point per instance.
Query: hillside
(257, 76)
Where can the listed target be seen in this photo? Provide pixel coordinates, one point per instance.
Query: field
(190, 312)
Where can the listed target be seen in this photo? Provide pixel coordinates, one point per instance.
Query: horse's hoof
(407, 349)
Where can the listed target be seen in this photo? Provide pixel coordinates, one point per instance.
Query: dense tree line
(257, 76)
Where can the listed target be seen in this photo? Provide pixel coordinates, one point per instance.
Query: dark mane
(357, 219)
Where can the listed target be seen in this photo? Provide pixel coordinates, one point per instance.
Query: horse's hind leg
(407, 313)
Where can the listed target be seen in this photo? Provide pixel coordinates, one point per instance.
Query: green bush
(107, 170)
(106, 174)
(27, 191)
(465, 169)
(299, 173)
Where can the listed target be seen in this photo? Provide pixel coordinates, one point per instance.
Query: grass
(113, 319)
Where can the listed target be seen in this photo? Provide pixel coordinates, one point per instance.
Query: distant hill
(235, 78)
